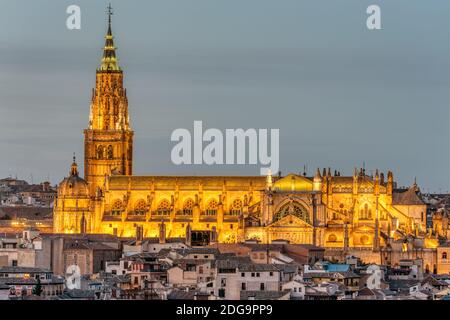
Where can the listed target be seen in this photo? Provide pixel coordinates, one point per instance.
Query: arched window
(365, 213)
(292, 208)
(140, 208)
(444, 255)
(100, 152)
(188, 207)
(332, 238)
(110, 152)
(336, 215)
(211, 208)
(163, 208)
(236, 207)
(117, 208)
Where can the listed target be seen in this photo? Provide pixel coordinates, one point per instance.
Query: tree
(37, 290)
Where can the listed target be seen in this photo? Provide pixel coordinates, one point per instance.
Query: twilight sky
(340, 94)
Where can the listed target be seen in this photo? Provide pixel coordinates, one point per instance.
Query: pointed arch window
(236, 207)
(163, 208)
(211, 208)
(117, 208)
(293, 208)
(140, 208)
(100, 152)
(365, 213)
(188, 207)
(110, 152)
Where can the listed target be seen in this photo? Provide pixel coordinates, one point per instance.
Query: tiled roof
(264, 247)
(181, 295)
(201, 250)
(231, 262)
(409, 197)
(263, 295)
(246, 267)
(433, 281)
(402, 284)
(348, 274)
(86, 245)
(30, 213)
(23, 270)
(78, 294)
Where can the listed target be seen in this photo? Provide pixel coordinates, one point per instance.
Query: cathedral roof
(409, 197)
(188, 182)
(293, 182)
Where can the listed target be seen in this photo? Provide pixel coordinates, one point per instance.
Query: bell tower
(108, 140)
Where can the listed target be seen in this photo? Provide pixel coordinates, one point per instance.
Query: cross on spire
(110, 13)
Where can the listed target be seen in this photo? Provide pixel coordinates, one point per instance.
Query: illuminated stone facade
(357, 211)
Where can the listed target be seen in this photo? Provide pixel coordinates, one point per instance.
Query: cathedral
(327, 209)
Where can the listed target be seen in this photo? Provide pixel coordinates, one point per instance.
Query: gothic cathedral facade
(329, 210)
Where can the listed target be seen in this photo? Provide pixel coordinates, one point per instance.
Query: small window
(271, 273)
(257, 274)
(253, 274)
(242, 274)
(262, 286)
(243, 286)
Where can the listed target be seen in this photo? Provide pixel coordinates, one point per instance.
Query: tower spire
(109, 59)
(74, 167)
(110, 13)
